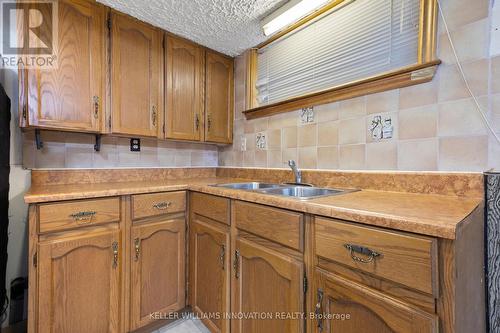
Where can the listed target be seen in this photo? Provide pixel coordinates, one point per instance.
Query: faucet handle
(291, 163)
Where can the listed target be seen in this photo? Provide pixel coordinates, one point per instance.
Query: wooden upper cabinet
(219, 98)
(136, 77)
(349, 307)
(72, 96)
(184, 76)
(79, 283)
(266, 281)
(157, 269)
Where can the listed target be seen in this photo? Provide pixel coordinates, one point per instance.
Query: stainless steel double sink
(301, 192)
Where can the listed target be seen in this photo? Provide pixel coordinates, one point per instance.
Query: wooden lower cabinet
(209, 274)
(344, 306)
(79, 283)
(157, 270)
(266, 281)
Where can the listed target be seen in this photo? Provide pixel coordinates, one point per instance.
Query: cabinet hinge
(305, 284)
(35, 259)
(163, 128)
(109, 23)
(25, 113)
(109, 122)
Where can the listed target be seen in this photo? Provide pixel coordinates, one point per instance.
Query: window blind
(358, 39)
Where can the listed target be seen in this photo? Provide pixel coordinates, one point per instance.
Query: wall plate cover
(135, 144)
(243, 144)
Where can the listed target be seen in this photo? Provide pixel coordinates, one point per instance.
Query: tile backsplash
(72, 150)
(435, 126)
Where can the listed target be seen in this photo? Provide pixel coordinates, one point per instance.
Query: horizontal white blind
(359, 39)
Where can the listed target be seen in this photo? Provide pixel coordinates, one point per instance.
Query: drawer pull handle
(137, 246)
(362, 250)
(83, 217)
(222, 255)
(114, 246)
(162, 205)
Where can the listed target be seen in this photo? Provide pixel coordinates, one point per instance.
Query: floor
(191, 325)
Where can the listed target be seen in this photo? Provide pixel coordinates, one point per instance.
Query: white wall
(19, 183)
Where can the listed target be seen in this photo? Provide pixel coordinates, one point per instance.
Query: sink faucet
(296, 171)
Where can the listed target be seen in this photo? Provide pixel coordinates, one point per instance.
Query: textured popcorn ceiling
(228, 26)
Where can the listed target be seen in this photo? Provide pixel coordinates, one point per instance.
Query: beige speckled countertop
(427, 214)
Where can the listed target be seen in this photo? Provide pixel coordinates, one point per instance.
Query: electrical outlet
(307, 115)
(243, 144)
(135, 144)
(260, 141)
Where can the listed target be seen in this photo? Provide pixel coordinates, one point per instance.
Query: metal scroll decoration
(492, 181)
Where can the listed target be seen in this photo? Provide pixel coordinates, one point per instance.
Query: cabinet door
(79, 279)
(346, 307)
(219, 97)
(158, 269)
(184, 89)
(136, 77)
(209, 275)
(71, 96)
(268, 282)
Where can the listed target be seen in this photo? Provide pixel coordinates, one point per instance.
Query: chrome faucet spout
(296, 171)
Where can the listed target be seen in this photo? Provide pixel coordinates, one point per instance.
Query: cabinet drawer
(278, 225)
(399, 257)
(154, 204)
(72, 214)
(211, 206)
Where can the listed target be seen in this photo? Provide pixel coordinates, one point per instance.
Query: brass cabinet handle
(114, 246)
(83, 217)
(153, 115)
(96, 106)
(162, 205)
(25, 112)
(222, 255)
(317, 310)
(209, 122)
(197, 121)
(137, 246)
(236, 264)
(362, 250)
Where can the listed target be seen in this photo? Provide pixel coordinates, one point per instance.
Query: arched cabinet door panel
(209, 274)
(157, 269)
(344, 307)
(72, 95)
(79, 283)
(219, 98)
(136, 77)
(184, 77)
(265, 281)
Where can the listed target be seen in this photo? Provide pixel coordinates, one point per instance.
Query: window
(351, 44)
